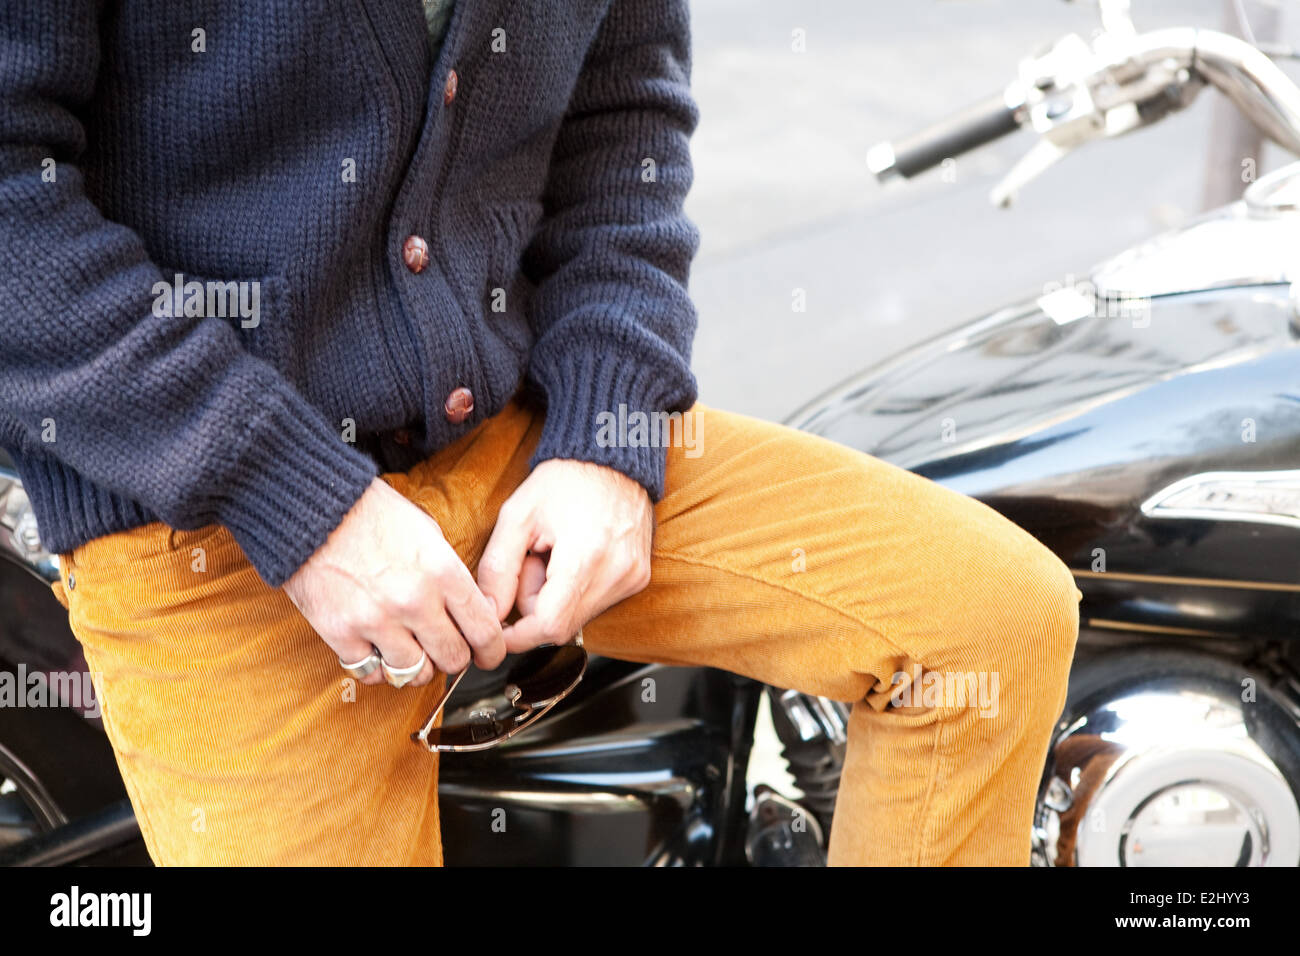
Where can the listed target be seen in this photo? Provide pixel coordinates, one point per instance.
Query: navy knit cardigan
(285, 152)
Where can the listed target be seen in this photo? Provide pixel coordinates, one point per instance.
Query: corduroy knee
(1035, 631)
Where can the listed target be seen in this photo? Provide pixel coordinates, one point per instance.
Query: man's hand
(595, 523)
(387, 577)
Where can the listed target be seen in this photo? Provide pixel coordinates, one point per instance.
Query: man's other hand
(573, 540)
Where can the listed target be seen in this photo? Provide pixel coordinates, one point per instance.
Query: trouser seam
(815, 598)
(138, 803)
(922, 811)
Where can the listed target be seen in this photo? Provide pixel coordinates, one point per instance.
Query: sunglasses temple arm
(423, 732)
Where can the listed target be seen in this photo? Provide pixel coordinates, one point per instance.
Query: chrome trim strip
(1187, 582)
(1288, 482)
(1110, 625)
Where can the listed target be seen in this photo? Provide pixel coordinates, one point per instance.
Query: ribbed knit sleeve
(612, 254)
(170, 412)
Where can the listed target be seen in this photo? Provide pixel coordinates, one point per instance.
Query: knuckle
(457, 593)
(492, 565)
(483, 635)
(405, 595)
(446, 649)
(556, 629)
(512, 512)
(457, 658)
(405, 656)
(364, 620)
(452, 582)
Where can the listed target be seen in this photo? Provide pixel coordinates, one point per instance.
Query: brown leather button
(415, 253)
(459, 404)
(449, 88)
(402, 436)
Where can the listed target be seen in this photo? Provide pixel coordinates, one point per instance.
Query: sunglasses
(535, 683)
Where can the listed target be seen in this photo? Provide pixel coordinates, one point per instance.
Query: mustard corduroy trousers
(777, 555)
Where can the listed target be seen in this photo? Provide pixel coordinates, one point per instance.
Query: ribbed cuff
(584, 391)
(291, 487)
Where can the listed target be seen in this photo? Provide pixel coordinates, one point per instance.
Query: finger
(558, 605)
(525, 634)
(419, 604)
(561, 600)
(398, 647)
(353, 650)
(475, 615)
(531, 579)
(426, 675)
(532, 631)
(498, 569)
(442, 641)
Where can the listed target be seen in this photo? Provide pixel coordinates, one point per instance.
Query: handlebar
(975, 126)
(1076, 93)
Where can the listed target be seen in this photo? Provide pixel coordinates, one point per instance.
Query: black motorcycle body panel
(1068, 428)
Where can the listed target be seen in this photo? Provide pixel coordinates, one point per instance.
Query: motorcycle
(1143, 424)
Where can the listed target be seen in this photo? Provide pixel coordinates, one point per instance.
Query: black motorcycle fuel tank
(1154, 446)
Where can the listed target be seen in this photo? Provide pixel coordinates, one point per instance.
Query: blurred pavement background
(784, 200)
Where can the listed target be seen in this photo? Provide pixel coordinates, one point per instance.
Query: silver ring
(401, 676)
(364, 667)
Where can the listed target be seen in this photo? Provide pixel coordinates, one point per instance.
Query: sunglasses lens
(542, 676)
(546, 673)
(481, 731)
(478, 731)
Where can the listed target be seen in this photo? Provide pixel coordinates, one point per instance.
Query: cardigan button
(449, 88)
(459, 405)
(402, 436)
(415, 253)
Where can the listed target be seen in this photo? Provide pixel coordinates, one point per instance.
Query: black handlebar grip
(975, 126)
